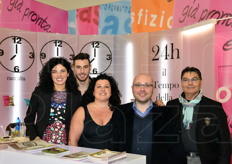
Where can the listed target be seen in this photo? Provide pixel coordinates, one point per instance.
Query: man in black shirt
(81, 67)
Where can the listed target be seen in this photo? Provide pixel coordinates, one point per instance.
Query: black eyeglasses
(193, 80)
(143, 85)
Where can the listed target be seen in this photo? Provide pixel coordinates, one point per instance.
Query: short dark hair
(191, 69)
(81, 56)
(115, 93)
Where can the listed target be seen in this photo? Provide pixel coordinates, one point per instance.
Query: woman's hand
(159, 102)
(37, 138)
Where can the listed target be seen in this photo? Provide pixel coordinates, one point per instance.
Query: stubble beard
(82, 80)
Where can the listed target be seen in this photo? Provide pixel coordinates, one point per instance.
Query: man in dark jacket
(149, 129)
(202, 122)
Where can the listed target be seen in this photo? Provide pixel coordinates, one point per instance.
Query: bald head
(143, 77)
(142, 88)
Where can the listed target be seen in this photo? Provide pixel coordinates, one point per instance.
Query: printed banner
(18, 71)
(188, 12)
(171, 51)
(115, 18)
(72, 28)
(33, 16)
(150, 15)
(166, 63)
(87, 20)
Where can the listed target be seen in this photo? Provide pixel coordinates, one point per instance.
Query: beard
(143, 101)
(81, 79)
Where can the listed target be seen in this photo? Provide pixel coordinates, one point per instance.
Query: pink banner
(223, 65)
(33, 16)
(188, 12)
(224, 90)
(87, 20)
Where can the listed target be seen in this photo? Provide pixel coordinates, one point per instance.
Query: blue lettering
(113, 27)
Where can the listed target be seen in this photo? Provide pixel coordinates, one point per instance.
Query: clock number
(95, 44)
(1, 52)
(71, 56)
(16, 68)
(58, 43)
(95, 71)
(42, 55)
(32, 55)
(17, 40)
(109, 57)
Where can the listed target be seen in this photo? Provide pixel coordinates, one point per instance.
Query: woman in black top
(97, 123)
(53, 103)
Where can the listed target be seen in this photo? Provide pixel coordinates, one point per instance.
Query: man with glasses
(202, 122)
(150, 129)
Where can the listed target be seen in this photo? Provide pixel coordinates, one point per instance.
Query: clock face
(56, 48)
(100, 56)
(16, 54)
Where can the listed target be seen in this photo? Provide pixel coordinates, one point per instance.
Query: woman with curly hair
(97, 123)
(53, 103)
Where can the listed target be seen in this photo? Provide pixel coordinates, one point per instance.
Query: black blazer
(213, 140)
(165, 146)
(40, 104)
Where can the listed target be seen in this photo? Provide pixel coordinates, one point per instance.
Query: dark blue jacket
(166, 148)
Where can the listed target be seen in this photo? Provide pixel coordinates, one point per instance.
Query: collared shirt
(138, 112)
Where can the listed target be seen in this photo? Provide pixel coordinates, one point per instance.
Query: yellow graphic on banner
(151, 15)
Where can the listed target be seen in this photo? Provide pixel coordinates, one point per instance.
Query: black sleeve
(31, 115)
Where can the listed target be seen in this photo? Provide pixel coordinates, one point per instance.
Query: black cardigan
(40, 104)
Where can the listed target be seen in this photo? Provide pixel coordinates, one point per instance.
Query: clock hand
(13, 57)
(93, 55)
(16, 48)
(16, 51)
(92, 60)
(57, 52)
(94, 52)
